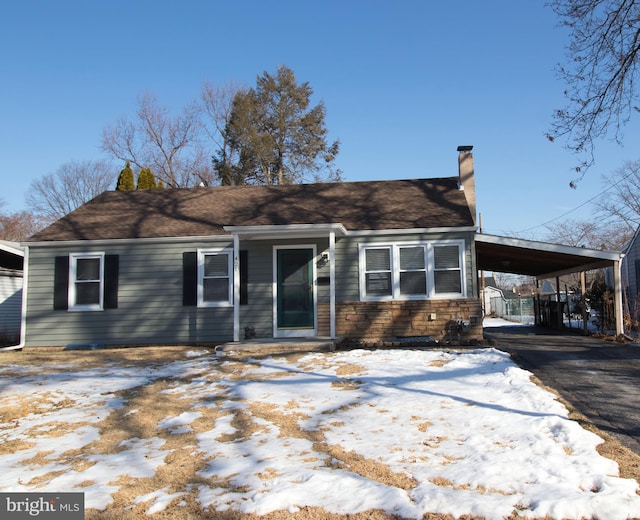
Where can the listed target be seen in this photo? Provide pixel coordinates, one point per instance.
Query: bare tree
(217, 106)
(600, 73)
(620, 202)
(172, 146)
(71, 185)
(616, 216)
(577, 233)
(19, 226)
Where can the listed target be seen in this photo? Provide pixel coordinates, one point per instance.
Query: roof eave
(124, 241)
(286, 231)
(544, 246)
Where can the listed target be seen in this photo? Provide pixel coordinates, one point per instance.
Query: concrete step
(277, 346)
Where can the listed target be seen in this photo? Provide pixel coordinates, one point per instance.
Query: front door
(295, 309)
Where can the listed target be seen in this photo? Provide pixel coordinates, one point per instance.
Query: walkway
(601, 379)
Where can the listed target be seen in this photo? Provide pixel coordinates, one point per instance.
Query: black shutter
(189, 278)
(111, 269)
(244, 277)
(61, 283)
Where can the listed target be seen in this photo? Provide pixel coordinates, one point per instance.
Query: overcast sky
(404, 83)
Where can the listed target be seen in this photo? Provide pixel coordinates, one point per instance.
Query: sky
(404, 84)
(474, 437)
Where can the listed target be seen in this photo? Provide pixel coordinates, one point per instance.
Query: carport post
(583, 300)
(617, 294)
(559, 313)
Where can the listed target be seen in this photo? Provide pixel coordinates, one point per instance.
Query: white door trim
(295, 332)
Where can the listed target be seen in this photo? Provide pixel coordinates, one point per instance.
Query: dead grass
(180, 471)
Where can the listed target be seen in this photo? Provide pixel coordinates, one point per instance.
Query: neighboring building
(492, 297)
(11, 273)
(631, 276)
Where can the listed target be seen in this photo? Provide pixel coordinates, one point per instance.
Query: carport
(543, 260)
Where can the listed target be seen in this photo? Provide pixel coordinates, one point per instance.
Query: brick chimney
(467, 182)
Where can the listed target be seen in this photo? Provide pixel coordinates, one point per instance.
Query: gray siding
(257, 312)
(631, 272)
(150, 280)
(149, 309)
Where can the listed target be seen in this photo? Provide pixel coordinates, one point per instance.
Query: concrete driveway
(600, 378)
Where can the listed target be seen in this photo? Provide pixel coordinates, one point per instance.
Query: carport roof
(540, 259)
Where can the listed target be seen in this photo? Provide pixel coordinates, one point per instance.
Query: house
(357, 260)
(631, 276)
(11, 270)
(492, 297)
(362, 260)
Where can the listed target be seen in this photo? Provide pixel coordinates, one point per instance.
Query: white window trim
(395, 270)
(363, 272)
(461, 268)
(73, 263)
(200, 292)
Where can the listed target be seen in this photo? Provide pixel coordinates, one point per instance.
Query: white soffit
(286, 231)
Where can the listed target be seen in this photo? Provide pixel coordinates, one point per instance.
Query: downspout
(236, 287)
(23, 311)
(332, 284)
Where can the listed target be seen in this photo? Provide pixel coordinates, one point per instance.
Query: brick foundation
(436, 319)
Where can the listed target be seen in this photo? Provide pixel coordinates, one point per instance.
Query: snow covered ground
(459, 433)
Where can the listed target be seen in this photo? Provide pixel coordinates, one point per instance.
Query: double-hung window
(86, 282)
(377, 271)
(412, 270)
(215, 278)
(406, 271)
(447, 277)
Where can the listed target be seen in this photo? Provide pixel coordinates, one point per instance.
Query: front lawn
(182, 433)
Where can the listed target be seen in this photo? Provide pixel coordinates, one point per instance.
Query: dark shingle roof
(377, 205)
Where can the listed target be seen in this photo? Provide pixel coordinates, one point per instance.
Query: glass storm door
(295, 309)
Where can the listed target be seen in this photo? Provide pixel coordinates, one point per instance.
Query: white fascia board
(412, 231)
(286, 231)
(545, 246)
(126, 241)
(11, 247)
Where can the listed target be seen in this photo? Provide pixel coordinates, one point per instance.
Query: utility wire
(580, 206)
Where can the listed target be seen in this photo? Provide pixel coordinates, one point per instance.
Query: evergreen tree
(146, 180)
(125, 179)
(274, 136)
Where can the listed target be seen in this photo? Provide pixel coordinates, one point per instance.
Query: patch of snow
(179, 424)
(455, 433)
(501, 322)
(161, 499)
